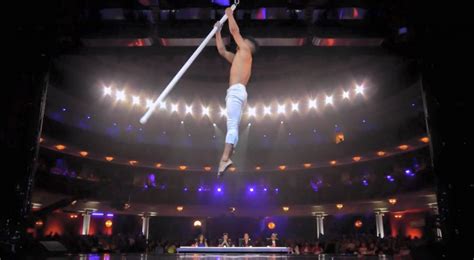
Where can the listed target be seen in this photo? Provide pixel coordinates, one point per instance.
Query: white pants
(235, 101)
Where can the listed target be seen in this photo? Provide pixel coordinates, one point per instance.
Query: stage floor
(212, 257)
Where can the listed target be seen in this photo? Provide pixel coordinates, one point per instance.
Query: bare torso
(241, 68)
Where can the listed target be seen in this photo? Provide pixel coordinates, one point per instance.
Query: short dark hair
(254, 42)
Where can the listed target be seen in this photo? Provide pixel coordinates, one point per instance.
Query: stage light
(329, 100)
(249, 124)
(133, 162)
(282, 167)
(281, 122)
(381, 153)
(356, 158)
(333, 162)
(108, 223)
(64, 109)
(163, 105)
(398, 216)
(267, 110)
(83, 153)
(207, 168)
(109, 158)
(307, 165)
(265, 189)
(182, 122)
(409, 173)
(295, 107)
(158, 165)
(281, 109)
(149, 103)
(214, 124)
(345, 94)
(392, 201)
(205, 111)
(223, 112)
(358, 224)
(39, 223)
(365, 182)
(219, 189)
(390, 178)
(60, 147)
(185, 189)
(41, 139)
(312, 103)
(251, 189)
(189, 109)
(425, 140)
(286, 209)
(403, 147)
(179, 208)
(252, 112)
(107, 91)
(271, 225)
(183, 167)
(135, 100)
(359, 89)
(120, 95)
(339, 206)
(258, 168)
(197, 223)
(232, 169)
(174, 107)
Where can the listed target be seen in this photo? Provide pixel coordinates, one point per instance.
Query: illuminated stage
(232, 250)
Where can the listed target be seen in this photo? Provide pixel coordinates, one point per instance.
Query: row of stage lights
(207, 168)
(205, 111)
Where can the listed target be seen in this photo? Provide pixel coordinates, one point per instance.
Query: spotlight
(109, 158)
(223, 112)
(392, 201)
(339, 206)
(281, 109)
(214, 124)
(107, 91)
(409, 173)
(286, 209)
(267, 110)
(158, 165)
(252, 111)
(250, 124)
(179, 208)
(294, 107)
(365, 183)
(258, 168)
(174, 107)
(307, 165)
(149, 103)
(329, 100)
(390, 178)
(359, 89)
(135, 100)
(403, 147)
(60, 147)
(182, 122)
(83, 153)
(312, 103)
(205, 111)
(282, 167)
(189, 109)
(219, 189)
(197, 223)
(163, 105)
(281, 122)
(120, 95)
(251, 189)
(265, 189)
(64, 109)
(345, 94)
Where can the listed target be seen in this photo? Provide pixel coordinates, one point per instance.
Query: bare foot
(223, 166)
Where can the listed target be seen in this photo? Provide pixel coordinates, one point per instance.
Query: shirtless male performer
(240, 72)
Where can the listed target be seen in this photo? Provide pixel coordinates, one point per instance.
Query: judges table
(232, 250)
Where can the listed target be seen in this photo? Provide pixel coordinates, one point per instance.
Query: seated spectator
(225, 241)
(245, 241)
(201, 241)
(273, 241)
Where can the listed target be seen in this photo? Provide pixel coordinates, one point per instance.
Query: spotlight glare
(135, 100)
(250, 124)
(295, 107)
(205, 111)
(281, 109)
(267, 110)
(312, 103)
(329, 100)
(252, 112)
(223, 112)
(214, 125)
(107, 91)
(149, 103)
(251, 189)
(189, 109)
(359, 89)
(345, 94)
(120, 95)
(163, 105)
(174, 107)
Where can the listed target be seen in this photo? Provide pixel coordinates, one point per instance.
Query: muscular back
(241, 68)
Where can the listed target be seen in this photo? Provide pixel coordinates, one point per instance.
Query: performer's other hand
(218, 25)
